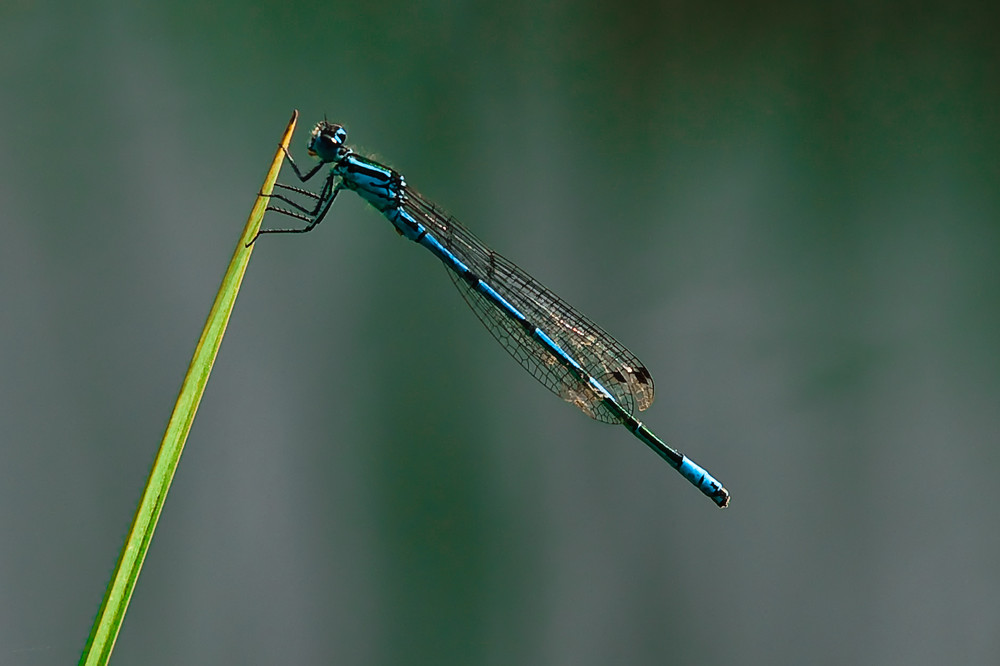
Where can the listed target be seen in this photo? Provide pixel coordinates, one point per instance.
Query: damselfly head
(327, 142)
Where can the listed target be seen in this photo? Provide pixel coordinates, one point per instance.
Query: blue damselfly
(569, 354)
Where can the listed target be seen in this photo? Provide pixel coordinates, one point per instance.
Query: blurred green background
(788, 211)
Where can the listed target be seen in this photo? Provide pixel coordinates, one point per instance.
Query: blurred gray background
(789, 212)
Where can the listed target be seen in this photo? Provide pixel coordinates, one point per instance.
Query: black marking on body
(362, 166)
(471, 278)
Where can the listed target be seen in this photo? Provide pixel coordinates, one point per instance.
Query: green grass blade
(109, 618)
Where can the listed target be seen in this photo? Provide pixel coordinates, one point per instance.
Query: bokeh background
(789, 211)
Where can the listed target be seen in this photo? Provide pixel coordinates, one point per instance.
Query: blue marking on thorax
(383, 188)
(378, 185)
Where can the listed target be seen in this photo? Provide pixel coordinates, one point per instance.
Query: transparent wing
(603, 357)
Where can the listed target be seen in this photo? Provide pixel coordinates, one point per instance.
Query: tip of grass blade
(260, 205)
(109, 618)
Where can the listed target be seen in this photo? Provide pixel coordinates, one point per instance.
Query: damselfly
(570, 355)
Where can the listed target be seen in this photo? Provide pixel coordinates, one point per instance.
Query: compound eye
(327, 141)
(333, 135)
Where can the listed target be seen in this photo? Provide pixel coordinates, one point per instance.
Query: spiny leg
(312, 218)
(310, 212)
(295, 204)
(298, 190)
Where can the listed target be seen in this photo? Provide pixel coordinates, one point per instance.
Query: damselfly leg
(311, 216)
